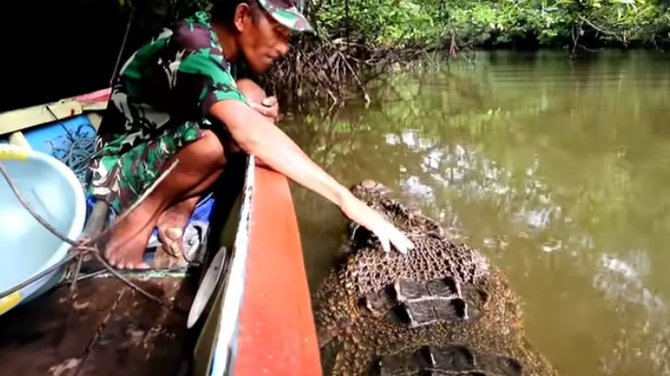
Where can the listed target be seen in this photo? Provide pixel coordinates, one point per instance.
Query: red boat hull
(277, 335)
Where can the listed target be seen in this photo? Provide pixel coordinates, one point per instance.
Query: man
(176, 100)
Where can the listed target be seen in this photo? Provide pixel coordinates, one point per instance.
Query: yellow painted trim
(9, 302)
(14, 153)
(16, 120)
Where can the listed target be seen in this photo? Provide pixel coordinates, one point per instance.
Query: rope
(77, 158)
(80, 248)
(78, 153)
(115, 72)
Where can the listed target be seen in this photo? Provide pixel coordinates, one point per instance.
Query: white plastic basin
(26, 247)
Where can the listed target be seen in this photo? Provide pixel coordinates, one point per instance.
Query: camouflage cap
(286, 12)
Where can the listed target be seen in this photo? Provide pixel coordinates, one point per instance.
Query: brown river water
(557, 169)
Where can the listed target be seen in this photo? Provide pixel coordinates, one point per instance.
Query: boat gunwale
(223, 349)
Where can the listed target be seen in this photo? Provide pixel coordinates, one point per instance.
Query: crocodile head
(381, 198)
(439, 309)
(370, 191)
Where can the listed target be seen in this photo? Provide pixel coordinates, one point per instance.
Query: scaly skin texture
(442, 309)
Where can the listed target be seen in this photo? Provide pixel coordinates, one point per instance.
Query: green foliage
(414, 23)
(383, 22)
(401, 23)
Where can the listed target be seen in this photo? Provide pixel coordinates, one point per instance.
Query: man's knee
(207, 152)
(251, 90)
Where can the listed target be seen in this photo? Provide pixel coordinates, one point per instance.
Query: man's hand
(268, 108)
(371, 219)
(267, 142)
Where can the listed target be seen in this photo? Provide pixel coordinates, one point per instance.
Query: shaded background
(54, 49)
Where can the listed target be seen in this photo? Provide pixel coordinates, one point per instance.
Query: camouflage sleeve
(202, 76)
(213, 81)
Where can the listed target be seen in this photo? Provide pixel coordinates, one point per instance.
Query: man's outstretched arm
(259, 137)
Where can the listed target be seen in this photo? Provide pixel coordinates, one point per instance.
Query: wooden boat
(245, 311)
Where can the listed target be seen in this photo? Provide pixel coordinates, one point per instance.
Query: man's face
(262, 39)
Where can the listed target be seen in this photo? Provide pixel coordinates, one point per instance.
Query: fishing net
(76, 150)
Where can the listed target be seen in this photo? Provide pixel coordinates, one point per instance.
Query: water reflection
(643, 342)
(556, 169)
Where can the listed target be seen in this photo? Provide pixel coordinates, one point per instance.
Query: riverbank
(501, 23)
(388, 33)
(327, 74)
(357, 40)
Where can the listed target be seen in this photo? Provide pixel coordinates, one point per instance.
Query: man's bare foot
(171, 226)
(128, 240)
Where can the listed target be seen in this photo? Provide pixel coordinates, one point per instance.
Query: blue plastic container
(28, 248)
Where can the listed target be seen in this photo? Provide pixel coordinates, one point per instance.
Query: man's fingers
(271, 112)
(406, 243)
(400, 245)
(261, 109)
(257, 107)
(385, 244)
(269, 101)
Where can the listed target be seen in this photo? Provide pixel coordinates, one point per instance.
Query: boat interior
(225, 312)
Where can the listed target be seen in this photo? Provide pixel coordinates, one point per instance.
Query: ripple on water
(557, 169)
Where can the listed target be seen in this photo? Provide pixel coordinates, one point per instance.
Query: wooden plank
(95, 101)
(141, 337)
(43, 335)
(277, 335)
(20, 119)
(16, 120)
(106, 329)
(95, 119)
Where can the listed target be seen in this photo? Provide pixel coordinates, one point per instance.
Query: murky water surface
(557, 170)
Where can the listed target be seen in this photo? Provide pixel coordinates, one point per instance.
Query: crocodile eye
(510, 366)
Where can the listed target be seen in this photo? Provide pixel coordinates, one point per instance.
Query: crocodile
(440, 309)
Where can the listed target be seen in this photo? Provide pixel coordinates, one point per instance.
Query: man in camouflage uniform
(176, 100)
